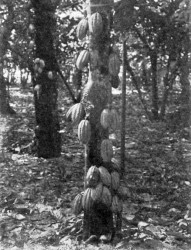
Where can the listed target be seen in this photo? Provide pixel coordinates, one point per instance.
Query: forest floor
(36, 194)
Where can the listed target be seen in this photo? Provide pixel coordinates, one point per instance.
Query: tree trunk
(96, 96)
(45, 82)
(155, 108)
(5, 32)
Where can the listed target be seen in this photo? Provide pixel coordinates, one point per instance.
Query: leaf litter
(36, 195)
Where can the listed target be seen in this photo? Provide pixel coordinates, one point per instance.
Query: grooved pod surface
(105, 176)
(95, 24)
(84, 131)
(83, 59)
(82, 29)
(92, 176)
(77, 205)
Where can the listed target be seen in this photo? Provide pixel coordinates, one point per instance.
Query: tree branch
(136, 84)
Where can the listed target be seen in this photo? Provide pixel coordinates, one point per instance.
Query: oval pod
(105, 118)
(77, 113)
(84, 131)
(82, 28)
(95, 24)
(77, 205)
(87, 200)
(83, 59)
(105, 176)
(96, 192)
(114, 120)
(92, 176)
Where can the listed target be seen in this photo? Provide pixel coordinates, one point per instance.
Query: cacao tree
(7, 9)
(47, 134)
(96, 118)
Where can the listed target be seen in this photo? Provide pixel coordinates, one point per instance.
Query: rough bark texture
(45, 89)
(5, 32)
(96, 95)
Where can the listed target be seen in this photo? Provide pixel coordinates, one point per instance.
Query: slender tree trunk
(155, 108)
(123, 113)
(5, 32)
(45, 82)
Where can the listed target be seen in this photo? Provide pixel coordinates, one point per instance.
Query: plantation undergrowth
(36, 194)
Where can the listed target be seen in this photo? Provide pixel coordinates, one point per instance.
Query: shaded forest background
(37, 193)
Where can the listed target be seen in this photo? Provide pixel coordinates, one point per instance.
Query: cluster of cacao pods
(102, 187)
(93, 25)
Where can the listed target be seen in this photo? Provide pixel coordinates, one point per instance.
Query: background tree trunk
(5, 32)
(45, 83)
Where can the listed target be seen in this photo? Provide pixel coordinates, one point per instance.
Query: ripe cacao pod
(114, 120)
(83, 59)
(106, 150)
(115, 180)
(96, 192)
(114, 64)
(116, 164)
(77, 114)
(114, 81)
(77, 205)
(87, 200)
(84, 131)
(105, 176)
(82, 28)
(92, 176)
(106, 197)
(116, 206)
(95, 24)
(105, 118)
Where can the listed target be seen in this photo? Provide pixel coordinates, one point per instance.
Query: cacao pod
(77, 205)
(83, 59)
(84, 131)
(114, 64)
(105, 118)
(116, 206)
(114, 81)
(115, 180)
(114, 120)
(105, 176)
(106, 197)
(116, 164)
(87, 200)
(92, 176)
(82, 28)
(106, 150)
(96, 192)
(77, 114)
(95, 24)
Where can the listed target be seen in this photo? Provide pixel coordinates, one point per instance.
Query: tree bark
(155, 107)
(45, 86)
(5, 32)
